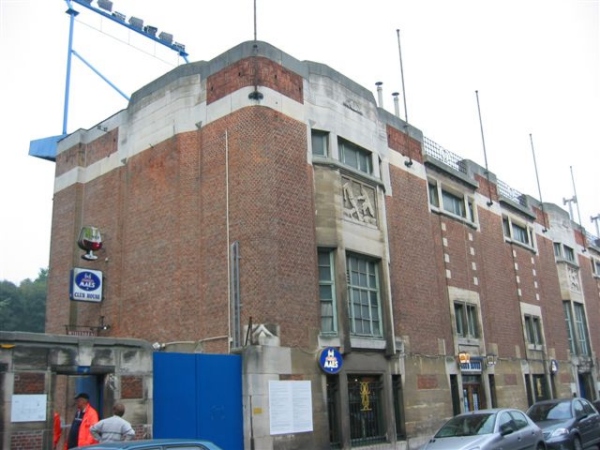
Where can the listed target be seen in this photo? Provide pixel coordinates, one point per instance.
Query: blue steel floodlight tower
(45, 148)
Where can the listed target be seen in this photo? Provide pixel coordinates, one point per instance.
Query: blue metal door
(199, 396)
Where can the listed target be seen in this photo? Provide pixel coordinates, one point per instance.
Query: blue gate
(199, 396)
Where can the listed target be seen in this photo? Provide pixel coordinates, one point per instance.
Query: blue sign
(86, 285)
(331, 360)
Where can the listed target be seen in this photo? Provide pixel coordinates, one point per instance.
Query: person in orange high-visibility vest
(85, 417)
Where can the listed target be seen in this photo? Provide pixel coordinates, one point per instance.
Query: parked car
(488, 429)
(567, 423)
(155, 444)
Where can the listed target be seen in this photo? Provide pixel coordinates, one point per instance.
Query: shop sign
(331, 360)
(86, 285)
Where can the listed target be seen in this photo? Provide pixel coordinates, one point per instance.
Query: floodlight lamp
(136, 22)
(149, 29)
(119, 16)
(105, 4)
(179, 47)
(166, 37)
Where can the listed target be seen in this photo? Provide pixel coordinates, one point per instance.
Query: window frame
(332, 303)
(466, 320)
(514, 230)
(363, 157)
(581, 329)
(356, 306)
(595, 266)
(568, 253)
(570, 327)
(451, 202)
(533, 330)
(324, 145)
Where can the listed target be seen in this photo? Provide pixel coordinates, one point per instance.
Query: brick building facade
(263, 205)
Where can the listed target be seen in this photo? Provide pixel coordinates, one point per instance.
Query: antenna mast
(538, 183)
(402, 76)
(406, 131)
(487, 172)
(254, 20)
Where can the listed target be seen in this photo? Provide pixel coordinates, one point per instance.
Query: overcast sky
(534, 63)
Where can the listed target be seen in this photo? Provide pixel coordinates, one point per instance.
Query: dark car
(571, 423)
(155, 444)
(488, 429)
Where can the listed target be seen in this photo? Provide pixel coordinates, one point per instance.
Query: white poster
(28, 408)
(290, 407)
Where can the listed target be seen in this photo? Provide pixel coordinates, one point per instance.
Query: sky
(535, 65)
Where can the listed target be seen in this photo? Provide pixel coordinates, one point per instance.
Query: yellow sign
(464, 358)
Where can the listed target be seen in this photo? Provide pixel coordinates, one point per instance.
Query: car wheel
(540, 446)
(577, 444)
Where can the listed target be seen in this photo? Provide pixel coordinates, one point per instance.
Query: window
(327, 291)
(577, 329)
(570, 331)
(320, 143)
(533, 329)
(517, 232)
(364, 309)
(434, 198)
(454, 203)
(569, 253)
(466, 320)
(596, 266)
(558, 250)
(581, 328)
(355, 156)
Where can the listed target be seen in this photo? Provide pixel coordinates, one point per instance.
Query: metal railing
(366, 410)
(443, 155)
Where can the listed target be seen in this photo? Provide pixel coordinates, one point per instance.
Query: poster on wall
(28, 408)
(290, 407)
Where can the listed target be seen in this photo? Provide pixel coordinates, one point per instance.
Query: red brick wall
(271, 215)
(251, 72)
(555, 331)
(498, 289)
(29, 383)
(400, 142)
(416, 269)
(163, 222)
(27, 440)
(132, 386)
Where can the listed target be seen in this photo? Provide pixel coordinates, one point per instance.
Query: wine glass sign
(90, 240)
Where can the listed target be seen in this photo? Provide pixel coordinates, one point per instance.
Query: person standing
(113, 428)
(85, 417)
(56, 430)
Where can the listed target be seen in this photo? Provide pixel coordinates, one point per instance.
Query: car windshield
(551, 411)
(468, 425)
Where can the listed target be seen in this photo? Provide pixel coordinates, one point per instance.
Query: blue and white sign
(86, 285)
(331, 360)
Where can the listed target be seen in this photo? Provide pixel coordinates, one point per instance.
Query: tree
(23, 308)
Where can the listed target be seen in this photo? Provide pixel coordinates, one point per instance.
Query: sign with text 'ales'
(86, 285)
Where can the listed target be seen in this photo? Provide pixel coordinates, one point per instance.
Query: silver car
(488, 429)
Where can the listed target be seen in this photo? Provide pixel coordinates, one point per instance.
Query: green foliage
(23, 307)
